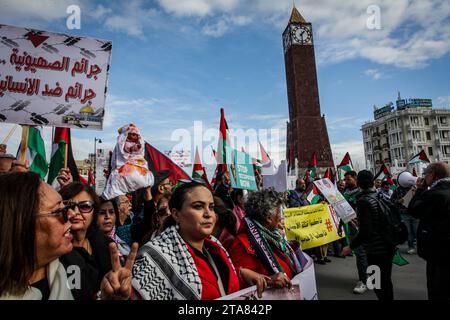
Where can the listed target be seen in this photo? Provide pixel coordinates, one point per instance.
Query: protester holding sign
(260, 246)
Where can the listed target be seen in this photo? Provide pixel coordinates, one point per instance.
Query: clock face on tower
(301, 34)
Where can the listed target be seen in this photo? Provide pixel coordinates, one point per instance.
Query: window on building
(415, 120)
(447, 150)
(427, 122)
(430, 151)
(443, 120)
(445, 134)
(428, 135)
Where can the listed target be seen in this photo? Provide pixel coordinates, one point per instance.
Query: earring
(177, 226)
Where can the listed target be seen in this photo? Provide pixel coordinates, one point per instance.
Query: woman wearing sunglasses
(35, 233)
(91, 253)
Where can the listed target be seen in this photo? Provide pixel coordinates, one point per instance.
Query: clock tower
(306, 129)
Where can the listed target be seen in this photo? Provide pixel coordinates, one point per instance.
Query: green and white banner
(241, 170)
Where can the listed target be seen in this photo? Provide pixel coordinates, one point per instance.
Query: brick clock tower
(306, 129)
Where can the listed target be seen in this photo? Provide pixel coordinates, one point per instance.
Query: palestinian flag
(199, 172)
(157, 161)
(290, 162)
(221, 157)
(346, 163)
(36, 152)
(421, 157)
(329, 175)
(91, 179)
(312, 166)
(264, 155)
(223, 139)
(384, 175)
(313, 196)
(61, 141)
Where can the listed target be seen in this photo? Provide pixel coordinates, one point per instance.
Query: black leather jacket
(432, 208)
(370, 225)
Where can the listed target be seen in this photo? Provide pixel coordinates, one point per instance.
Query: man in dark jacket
(431, 205)
(297, 198)
(370, 235)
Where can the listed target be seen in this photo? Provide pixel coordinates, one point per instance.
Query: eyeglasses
(59, 212)
(83, 206)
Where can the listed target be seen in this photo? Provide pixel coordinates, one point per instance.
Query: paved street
(335, 280)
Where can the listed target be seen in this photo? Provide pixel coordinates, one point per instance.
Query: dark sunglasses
(83, 206)
(59, 212)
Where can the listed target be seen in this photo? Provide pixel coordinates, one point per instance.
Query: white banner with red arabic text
(52, 79)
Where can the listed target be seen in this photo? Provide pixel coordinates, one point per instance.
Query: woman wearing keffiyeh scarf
(261, 247)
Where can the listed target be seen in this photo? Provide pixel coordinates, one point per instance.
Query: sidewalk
(336, 280)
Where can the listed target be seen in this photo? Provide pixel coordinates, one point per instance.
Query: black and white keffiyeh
(165, 270)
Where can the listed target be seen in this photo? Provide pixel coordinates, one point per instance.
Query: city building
(306, 130)
(399, 133)
(85, 165)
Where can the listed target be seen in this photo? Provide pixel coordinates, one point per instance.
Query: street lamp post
(95, 154)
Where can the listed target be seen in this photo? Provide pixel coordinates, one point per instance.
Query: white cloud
(42, 10)
(354, 147)
(225, 24)
(443, 101)
(132, 19)
(412, 32)
(375, 74)
(344, 124)
(100, 11)
(199, 8)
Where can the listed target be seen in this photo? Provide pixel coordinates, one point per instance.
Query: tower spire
(296, 17)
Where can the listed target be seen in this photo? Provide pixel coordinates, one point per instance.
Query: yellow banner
(312, 226)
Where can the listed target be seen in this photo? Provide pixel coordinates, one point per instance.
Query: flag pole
(10, 133)
(66, 152)
(24, 144)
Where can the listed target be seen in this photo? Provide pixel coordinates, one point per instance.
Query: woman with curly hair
(260, 246)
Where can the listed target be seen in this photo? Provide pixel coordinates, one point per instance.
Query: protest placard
(342, 208)
(277, 180)
(313, 226)
(241, 170)
(52, 79)
(303, 288)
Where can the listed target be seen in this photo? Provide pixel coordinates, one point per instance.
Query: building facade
(398, 134)
(306, 130)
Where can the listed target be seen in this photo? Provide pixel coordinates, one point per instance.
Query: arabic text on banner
(312, 226)
(52, 79)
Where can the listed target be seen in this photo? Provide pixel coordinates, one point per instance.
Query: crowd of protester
(182, 240)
